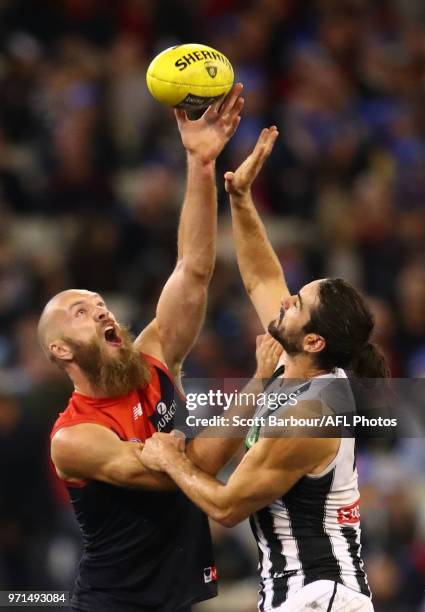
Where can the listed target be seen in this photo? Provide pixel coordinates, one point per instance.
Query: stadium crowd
(91, 180)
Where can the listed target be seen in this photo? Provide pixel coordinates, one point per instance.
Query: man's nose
(101, 314)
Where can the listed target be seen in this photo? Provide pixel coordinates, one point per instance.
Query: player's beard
(290, 341)
(114, 375)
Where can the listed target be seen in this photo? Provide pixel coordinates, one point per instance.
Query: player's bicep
(267, 299)
(85, 451)
(261, 477)
(269, 470)
(93, 452)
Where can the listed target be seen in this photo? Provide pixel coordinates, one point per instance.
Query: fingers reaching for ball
(229, 105)
(206, 137)
(233, 101)
(239, 182)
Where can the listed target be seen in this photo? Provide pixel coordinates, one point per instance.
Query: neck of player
(81, 384)
(301, 366)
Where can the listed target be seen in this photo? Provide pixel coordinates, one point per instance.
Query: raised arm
(259, 266)
(181, 307)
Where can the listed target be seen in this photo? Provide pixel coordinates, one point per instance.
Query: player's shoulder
(160, 368)
(73, 441)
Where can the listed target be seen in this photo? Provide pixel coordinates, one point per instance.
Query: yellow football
(189, 76)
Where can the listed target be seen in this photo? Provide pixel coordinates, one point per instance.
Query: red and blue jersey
(143, 550)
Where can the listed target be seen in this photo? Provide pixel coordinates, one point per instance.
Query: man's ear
(61, 350)
(313, 343)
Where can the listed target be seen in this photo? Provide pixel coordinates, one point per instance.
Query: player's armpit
(180, 314)
(149, 342)
(89, 451)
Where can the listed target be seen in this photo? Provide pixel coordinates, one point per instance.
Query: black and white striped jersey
(313, 532)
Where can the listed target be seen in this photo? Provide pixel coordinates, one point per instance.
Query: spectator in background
(87, 158)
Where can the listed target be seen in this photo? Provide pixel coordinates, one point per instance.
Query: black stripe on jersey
(280, 370)
(277, 559)
(350, 535)
(260, 559)
(306, 505)
(331, 601)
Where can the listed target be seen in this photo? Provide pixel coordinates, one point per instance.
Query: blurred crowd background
(91, 180)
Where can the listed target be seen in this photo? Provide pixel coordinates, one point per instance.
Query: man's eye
(80, 311)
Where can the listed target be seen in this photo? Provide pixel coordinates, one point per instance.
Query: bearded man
(146, 546)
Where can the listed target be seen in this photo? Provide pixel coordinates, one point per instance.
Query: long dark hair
(346, 323)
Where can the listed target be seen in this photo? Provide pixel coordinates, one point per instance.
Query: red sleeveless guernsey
(143, 550)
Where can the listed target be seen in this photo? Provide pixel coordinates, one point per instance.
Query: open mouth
(112, 337)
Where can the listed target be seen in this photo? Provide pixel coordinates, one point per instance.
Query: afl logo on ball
(161, 408)
(211, 69)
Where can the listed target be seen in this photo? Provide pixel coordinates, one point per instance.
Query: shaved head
(80, 335)
(52, 323)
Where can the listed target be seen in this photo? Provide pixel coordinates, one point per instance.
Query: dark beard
(292, 344)
(116, 375)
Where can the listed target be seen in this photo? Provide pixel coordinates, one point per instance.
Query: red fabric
(120, 414)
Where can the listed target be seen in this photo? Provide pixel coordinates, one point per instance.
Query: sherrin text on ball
(190, 76)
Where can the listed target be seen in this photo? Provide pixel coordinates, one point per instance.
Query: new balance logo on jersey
(137, 411)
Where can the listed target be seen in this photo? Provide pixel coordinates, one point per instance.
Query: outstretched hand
(240, 181)
(207, 136)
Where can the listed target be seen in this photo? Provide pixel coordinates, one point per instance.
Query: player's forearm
(152, 481)
(215, 446)
(198, 222)
(127, 471)
(257, 261)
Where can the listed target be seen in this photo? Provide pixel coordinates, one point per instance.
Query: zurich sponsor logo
(161, 408)
(162, 417)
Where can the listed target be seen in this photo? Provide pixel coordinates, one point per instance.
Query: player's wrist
(240, 198)
(202, 161)
(260, 379)
(172, 459)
